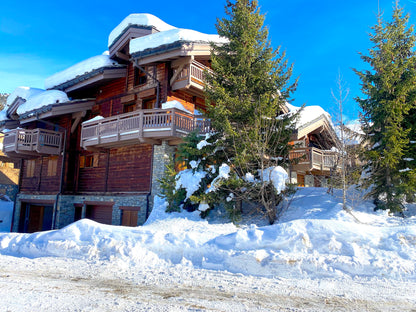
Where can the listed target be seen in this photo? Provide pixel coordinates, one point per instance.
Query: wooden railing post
(173, 121)
(141, 116)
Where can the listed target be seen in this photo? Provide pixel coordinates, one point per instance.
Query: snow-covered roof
(308, 114)
(80, 69)
(138, 19)
(171, 36)
(42, 99)
(22, 92)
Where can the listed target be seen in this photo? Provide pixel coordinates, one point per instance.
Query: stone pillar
(161, 157)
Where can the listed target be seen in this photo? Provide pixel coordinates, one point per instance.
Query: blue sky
(321, 38)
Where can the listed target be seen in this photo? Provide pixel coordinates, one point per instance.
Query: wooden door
(129, 217)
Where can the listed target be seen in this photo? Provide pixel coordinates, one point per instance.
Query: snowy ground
(317, 257)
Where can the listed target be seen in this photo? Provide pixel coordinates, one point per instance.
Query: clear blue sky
(321, 38)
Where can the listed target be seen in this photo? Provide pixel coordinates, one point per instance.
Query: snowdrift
(315, 238)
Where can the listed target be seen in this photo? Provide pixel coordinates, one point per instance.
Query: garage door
(98, 213)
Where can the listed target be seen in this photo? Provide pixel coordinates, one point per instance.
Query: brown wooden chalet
(99, 152)
(314, 156)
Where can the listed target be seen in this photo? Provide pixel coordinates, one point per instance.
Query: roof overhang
(131, 32)
(320, 124)
(93, 79)
(57, 110)
(173, 51)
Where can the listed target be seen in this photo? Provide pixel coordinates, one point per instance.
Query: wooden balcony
(190, 76)
(144, 126)
(24, 143)
(311, 158)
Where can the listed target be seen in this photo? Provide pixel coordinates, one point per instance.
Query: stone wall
(161, 157)
(66, 206)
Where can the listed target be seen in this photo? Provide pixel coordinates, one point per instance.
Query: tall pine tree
(389, 89)
(250, 85)
(245, 93)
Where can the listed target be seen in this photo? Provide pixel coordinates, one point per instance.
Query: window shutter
(81, 161)
(95, 160)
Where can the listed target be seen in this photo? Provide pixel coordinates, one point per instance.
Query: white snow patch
(278, 176)
(138, 19)
(405, 170)
(189, 180)
(175, 104)
(223, 173)
(80, 69)
(96, 118)
(170, 36)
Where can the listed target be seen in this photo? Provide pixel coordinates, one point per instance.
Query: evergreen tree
(3, 99)
(249, 87)
(245, 95)
(389, 89)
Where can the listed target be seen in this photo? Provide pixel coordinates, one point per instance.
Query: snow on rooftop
(175, 104)
(42, 99)
(308, 114)
(138, 19)
(22, 92)
(171, 36)
(79, 69)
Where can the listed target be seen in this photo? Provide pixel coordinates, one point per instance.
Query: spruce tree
(245, 94)
(250, 84)
(389, 97)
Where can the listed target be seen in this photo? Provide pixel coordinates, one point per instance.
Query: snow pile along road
(315, 238)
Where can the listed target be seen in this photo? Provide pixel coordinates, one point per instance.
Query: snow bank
(79, 69)
(170, 36)
(138, 19)
(314, 238)
(42, 99)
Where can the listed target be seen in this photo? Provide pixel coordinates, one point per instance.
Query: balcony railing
(191, 75)
(23, 143)
(310, 158)
(149, 126)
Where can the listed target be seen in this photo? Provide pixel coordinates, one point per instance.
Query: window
(30, 169)
(88, 161)
(127, 108)
(148, 103)
(140, 77)
(52, 166)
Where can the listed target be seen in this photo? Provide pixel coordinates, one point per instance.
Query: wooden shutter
(81, 161)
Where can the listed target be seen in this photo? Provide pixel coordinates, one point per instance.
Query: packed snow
(42, 99)
(138, 19)
(80, 69)
(171, 36)
(316, 250)
(175, 104)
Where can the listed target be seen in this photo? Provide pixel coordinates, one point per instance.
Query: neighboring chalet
(95, 142)
(314, 156)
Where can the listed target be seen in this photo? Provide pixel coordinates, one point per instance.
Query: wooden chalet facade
(95, 143)
(99, 154)
(314, 156)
